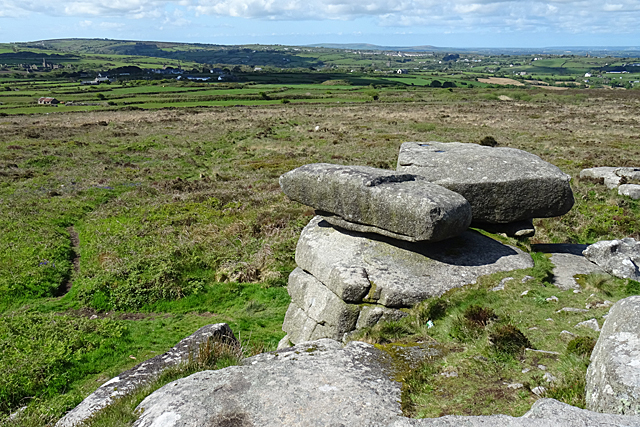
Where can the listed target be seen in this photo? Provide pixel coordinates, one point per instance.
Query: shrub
(489, 141)
(581, 346)
(508, 339)
(470, 325)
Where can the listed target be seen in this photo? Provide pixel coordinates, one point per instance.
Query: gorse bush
(508, 339)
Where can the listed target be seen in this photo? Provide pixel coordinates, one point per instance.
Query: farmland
(143, 209)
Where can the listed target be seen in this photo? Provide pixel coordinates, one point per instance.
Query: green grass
(484, 334)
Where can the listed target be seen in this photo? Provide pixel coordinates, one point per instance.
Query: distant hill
(366, 46)
(621, 51)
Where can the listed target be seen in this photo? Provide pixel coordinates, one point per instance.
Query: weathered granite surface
(315, 312)
(620, 258)
(141, 374)
(568, 262)
(322, 310)
(630, 190)
(613, 377)
(399, 274)
(322, 383)
(502, 184)
(366, 199)
(312, 384)
(543, 413)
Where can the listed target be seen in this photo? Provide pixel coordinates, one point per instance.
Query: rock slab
(630, 190)
(543, 413)
(318, 383)
(322, 383)
(611, 177)
(366, 199)
(613, 377)
(568, 262)
(399, 274)
(620, 258)
(143, 373)
(502, 184)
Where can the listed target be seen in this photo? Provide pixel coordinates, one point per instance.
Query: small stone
(630, 190)
(572, 310)
(554, 353)
(577, 291)
(525, 370)
(525, 279)
(591, 324)
(604, 304)
(95, 316)
(525, 293)
(542, 367)
(549, 378)
(567, 335)
(539, 391)
(503, 282)
(552, 298)
(533, 328)
(449, 374)
(516, 229)
(549, 319)
(515, 386)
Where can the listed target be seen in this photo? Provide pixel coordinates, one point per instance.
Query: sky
(453, 23)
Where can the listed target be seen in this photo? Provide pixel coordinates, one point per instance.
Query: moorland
(130, 223)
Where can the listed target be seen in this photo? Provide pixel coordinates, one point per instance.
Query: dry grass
(501, 81)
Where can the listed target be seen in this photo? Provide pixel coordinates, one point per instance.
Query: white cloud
(575, 16)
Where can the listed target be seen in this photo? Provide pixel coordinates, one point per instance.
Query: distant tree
(435, 83)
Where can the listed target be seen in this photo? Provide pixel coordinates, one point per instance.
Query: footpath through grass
(181, 222)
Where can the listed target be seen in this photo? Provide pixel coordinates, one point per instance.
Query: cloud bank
(569, 16)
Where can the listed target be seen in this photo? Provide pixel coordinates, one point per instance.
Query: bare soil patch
(501, 81)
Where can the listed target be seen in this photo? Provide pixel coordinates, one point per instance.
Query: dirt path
(75, 243)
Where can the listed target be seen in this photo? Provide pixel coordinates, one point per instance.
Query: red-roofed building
(48, 101)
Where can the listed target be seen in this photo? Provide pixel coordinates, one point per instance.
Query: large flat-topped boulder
(399, 274)
(366, 199)
(613, 376)
(501, 184)
(313, 384)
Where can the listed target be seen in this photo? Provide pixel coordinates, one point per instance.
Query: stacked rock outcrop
(383, 241)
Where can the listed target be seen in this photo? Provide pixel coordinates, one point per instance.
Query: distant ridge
(555, 50)
(202, 52)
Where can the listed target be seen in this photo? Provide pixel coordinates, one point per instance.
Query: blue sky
(457, 23)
